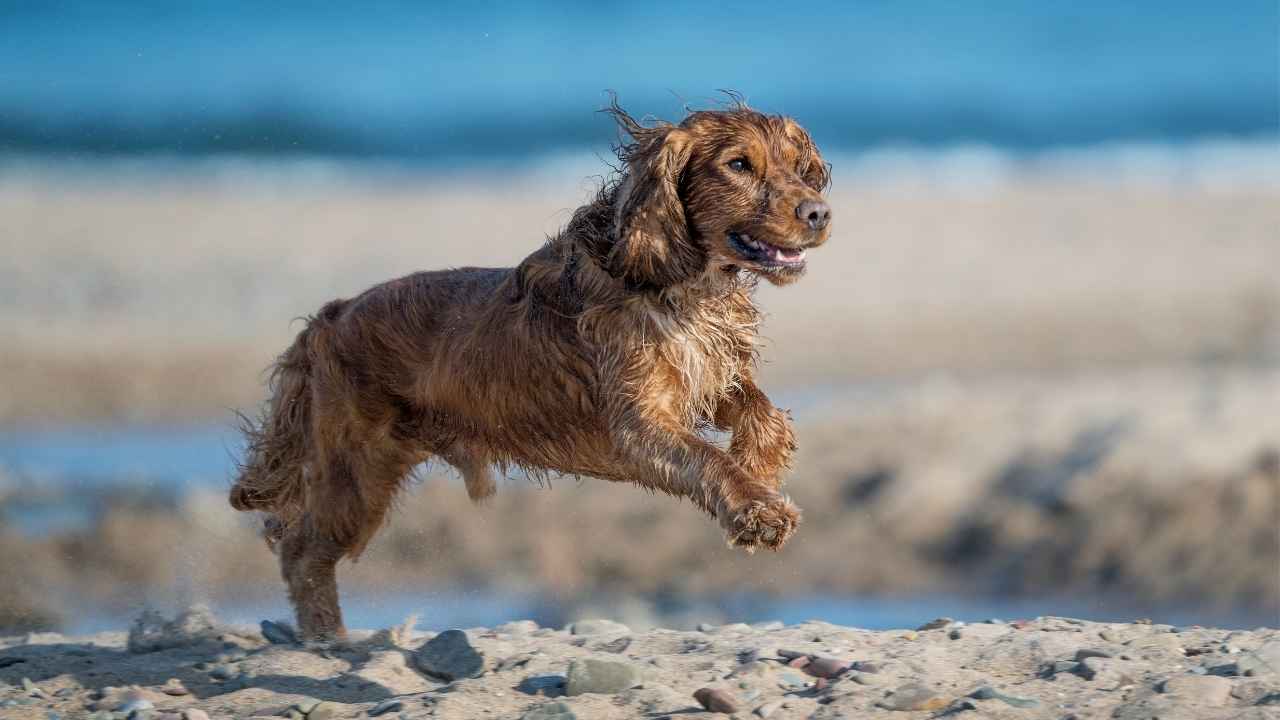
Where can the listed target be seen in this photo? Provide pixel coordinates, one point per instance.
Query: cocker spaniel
(607, 352)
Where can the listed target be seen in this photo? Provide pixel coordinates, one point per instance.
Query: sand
(1049, 667)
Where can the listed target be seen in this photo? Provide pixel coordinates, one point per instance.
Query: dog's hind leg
(345, 508)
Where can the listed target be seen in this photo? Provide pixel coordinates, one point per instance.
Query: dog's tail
(278, 443)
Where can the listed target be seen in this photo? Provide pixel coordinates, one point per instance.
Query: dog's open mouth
(763, 253)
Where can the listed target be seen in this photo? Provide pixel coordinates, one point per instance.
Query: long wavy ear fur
(653, 246)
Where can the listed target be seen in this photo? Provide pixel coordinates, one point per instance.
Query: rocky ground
(194, 668)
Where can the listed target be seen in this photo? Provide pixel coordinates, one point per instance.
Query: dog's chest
(703, 354)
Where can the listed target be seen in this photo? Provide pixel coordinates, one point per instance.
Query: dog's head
(724, 190)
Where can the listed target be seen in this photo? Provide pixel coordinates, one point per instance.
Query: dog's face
(724, 190)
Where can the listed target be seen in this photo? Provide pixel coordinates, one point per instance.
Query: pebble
(386, 706)
(716, 700)
(799, 662)
(1263, 661)
(706, 627)
(589, 675)
(987, 692)
(768, 625)
(792, 681)
(278, 633)
(550, 711)
(866, 666)
(913, 696)
(768, 708)
(1108, 673)
(194, 714)
(174, 687)
(936, 624)
(449, 656)
(134, 705)
(1202, 689)
(548, 685)
(791, 654)
(825, 667)
(598, 627)
(31, 688)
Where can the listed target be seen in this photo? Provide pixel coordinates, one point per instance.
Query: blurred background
(1036, 371)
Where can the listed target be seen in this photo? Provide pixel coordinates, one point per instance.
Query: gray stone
(589, 675)
(449, 656)
(598, 627)
(386, 706)
(1263, 661)
(826, 667)
(278, 633)
(134, 705)
(913, 696)
(791, 680)
(550, 711)
(549, 685)
(987, 692)
(194, 714)
(936, 624)
(1200, 689)
(1108, 673)
(150, 631)
(706, 627)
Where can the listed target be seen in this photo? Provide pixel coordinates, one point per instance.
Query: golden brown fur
(605, 353)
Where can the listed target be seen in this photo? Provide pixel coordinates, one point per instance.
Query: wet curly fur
(606, 353)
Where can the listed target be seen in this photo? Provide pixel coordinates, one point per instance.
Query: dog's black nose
(814, 212)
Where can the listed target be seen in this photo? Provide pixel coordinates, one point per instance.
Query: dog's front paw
(767, 522)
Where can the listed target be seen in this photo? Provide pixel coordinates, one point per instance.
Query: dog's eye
(740, 165)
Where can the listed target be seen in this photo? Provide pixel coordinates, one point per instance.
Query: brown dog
(604, 353)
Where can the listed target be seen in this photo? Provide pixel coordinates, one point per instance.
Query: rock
(768, 625)
(1263, 661)
(386, 706)
(550, 711)
(391, 670)
(792, 681)
(194, 714)
(825, 667)
(706, 627)
(791, 654)
(1108, 673)
(278, 633)
(31, 688)
(134, 705)
(174, 687)
(716, 700)
(548, 685)
(913, 696)
(799, 663)
(1200, 689)
(1271, 699)
(150, 631)
(955, 634)
(589, 675)
(323, 711)
(987, 692)
(936, 624)
(449, 656)
(598, 627)
(866, 666)
(616, 645)
(769, 708)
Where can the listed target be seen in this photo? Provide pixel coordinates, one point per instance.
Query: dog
(609, 352)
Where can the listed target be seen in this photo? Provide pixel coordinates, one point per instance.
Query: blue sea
(484, 82)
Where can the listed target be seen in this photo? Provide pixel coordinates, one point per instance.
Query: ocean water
(474, 82)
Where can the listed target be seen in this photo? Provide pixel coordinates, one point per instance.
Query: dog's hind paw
(763, 523)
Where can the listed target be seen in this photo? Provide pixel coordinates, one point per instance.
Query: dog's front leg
(665, 456)
(763, 441)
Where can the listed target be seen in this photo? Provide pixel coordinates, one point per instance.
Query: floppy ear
(652, 244)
